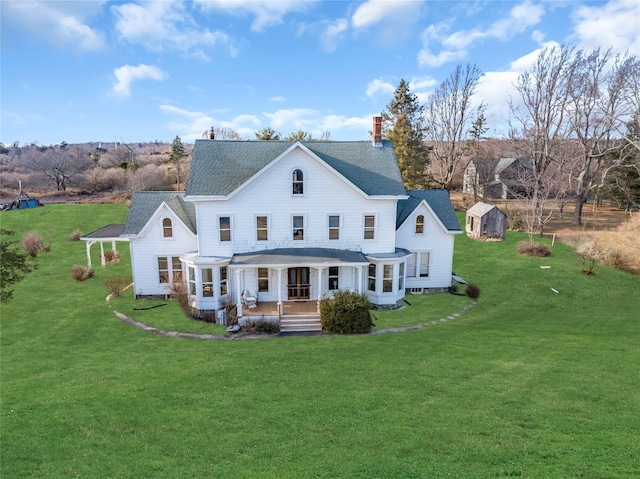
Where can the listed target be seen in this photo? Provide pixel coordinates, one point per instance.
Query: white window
(334, 273)
(334, 227)
(411, 265)
(192, 280)
(207, 283)
(224, 223)
(298, 182)
(369, 227)
(401, 276)
(263, 280)
(298, 227)
(163, 269)
(387, 278)
(419, 225)
(424, 264)
(262, 228)
(167, 228)
(169, 268)
(224, 284)
(372, 278)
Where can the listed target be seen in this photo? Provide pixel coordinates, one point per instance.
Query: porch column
(238, 291)
(280, 310)
(359, 286)
(102, 260)
(319, 289)
(88, 245)
(113, 246)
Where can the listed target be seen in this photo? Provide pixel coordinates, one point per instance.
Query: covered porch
(292, 281)
(106, 234)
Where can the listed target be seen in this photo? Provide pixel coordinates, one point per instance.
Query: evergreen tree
(267, 133)
(403, 125)
(14, 265)
(299, 136)
(176, 155)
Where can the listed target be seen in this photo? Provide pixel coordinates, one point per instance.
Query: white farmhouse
(286, 223)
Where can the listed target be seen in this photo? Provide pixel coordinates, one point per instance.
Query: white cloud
(394, 17)
(379, 87)
(128, 74)
(267, 13)
(615, 24)
(277, 99)
(166, 24)
(454, 46)
(332, 34)
(62, 23)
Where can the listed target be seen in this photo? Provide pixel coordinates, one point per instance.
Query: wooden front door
(299, 283)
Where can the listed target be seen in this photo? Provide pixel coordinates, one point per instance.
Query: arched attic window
(167, 228)
(297, 182)
(419, 224)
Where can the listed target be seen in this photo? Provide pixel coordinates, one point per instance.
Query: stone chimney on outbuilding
(377, 131)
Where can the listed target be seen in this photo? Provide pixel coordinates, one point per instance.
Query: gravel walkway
(230, 337)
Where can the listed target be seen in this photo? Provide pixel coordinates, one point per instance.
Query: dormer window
(419, 224)
(167, 228)
(298, 182)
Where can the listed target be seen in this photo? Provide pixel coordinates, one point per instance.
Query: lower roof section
(285, 257)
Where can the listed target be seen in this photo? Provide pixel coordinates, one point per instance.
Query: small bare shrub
(534, 249)
(75, 236)
(261, 326)
(32, 244)
(178, 291)
(116, 285)
(111, 256)
(473, 292)
(81, 273)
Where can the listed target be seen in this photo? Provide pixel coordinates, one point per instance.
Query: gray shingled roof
(296, 256)
(439, 202)
(145, 203)
(481, 209)
(218, 167)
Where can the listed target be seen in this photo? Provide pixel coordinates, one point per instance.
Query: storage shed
(486, 221)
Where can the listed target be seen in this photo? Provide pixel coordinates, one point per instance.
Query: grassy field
(528, 383)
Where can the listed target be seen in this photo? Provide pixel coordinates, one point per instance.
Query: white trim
(304, 228)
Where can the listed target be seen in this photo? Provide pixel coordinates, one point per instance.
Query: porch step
(300, 323)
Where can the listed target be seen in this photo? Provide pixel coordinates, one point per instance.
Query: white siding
(435, 240)
(146, 250)
(270, 194)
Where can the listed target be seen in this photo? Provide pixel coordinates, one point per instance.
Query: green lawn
(528, 383)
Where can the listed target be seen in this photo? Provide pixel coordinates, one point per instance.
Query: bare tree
(60, 165)
(540, 126)
(597, 108)
(448, 120)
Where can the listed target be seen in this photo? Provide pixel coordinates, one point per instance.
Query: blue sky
(132, 71)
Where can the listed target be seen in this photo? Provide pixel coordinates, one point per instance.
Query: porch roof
(285, 257)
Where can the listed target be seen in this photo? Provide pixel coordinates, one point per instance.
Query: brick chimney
(212, 135)
(377, 131)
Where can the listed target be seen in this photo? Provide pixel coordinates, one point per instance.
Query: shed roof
(105, 233)
(481, 209)
(219, 167)
(439, 202)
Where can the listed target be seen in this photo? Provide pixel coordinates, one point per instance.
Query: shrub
(111, 256)
(116, 285)
(534, 249)
(75, 236)
(32, 244)
(178, 291)
(81, 273)
(346, 313)
(473, 291)
(261, 326)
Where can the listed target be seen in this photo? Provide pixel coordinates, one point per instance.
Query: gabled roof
(481, 209)
(219, 167)
(145, 203)
(504, 163)
(439, 202)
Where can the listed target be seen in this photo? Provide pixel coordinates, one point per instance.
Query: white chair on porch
(249, 300)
